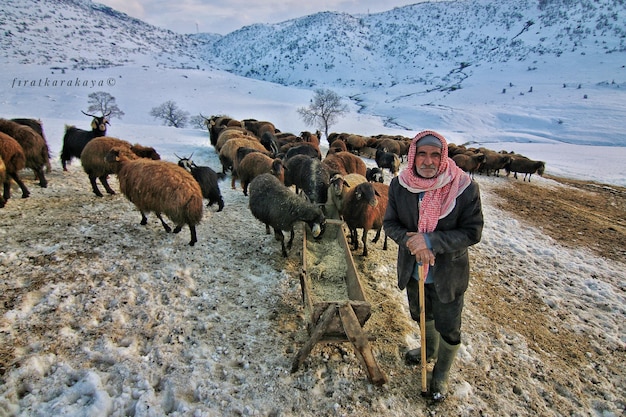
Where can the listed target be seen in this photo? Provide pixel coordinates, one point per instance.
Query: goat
(159, 187)
(388, 160)
(208, 180)
(279, 208)
(14, 159)
(35, 148)
(95, 166)
(364, 208)
(75, 139)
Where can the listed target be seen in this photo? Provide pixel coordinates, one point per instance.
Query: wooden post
(316, 335)
(361, 345)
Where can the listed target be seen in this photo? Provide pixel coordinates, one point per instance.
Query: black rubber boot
(414, 356)
(441, 371)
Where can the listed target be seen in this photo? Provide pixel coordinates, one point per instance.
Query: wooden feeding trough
(333, 298)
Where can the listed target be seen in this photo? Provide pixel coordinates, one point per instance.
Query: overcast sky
(225, 16)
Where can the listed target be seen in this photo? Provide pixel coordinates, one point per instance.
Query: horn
(178, 157)
(87, 114)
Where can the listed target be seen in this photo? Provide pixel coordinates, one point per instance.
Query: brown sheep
(337, 189)
(34, 146)
(494, 162)
(525, 166)
(161, 187)
(389, 145)
(469, 162)
(310, 137)
(92, 159)
(37, 126)
(345, 163)
(336, 146)
(231, 133)
(355, 143)
(259, 127)
(228, 153)
(364, 208)
(255, 164)
(14, 159)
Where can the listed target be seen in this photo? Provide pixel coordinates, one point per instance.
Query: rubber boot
(414, 356)
(441, 371)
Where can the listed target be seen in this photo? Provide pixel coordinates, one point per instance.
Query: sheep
(229, 151)
(37, 126)
(75, 139)
(239, 155)
(374, 175)
(494, 162)
(469, 162)
(255, 164)
(231, 133)
(269, 141)
(259, 127)
(388, 160)
(276, 206)
(337, 190)
(93, 160)
(345, 163)
(525, 166)
(354, 143)
(364, 208)
(388, 144)
(35, 148)
(308, 175)
(300, 148)
(159, 187)
(336, 146)
(14, 159)
(207, 179)
(219, 124)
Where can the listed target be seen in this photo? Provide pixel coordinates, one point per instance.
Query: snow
(127, 320)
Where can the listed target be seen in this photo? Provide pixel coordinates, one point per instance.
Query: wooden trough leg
(317, 333)
(358, 338)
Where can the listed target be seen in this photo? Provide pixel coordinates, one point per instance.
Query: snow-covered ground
(106, 317)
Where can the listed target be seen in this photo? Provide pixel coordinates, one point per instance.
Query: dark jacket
(450, 240)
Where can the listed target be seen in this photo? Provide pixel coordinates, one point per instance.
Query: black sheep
(278, 207)
(388, 160)
(309, 175)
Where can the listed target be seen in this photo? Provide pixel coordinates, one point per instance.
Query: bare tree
(103, 102)
(325, 108)
(170, 114)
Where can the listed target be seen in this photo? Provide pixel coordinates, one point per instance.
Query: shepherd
(434, 214)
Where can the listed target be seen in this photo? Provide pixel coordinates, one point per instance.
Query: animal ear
(94, 124)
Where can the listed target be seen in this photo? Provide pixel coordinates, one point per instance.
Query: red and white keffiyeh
(441, 191)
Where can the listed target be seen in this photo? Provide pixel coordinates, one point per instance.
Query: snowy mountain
(424, 43)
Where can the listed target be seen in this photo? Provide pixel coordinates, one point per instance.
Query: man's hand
(417, 246)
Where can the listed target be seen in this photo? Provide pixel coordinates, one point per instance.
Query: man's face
(427, 160)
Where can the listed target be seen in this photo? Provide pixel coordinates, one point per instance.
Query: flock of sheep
(268, 163)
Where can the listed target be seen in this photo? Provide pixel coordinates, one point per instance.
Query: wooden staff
(420, 270)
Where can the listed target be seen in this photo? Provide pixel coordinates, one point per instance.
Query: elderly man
(434, 214)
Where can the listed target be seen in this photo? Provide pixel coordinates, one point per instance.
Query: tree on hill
(103, 102)
(171, 114)
(324, 110)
